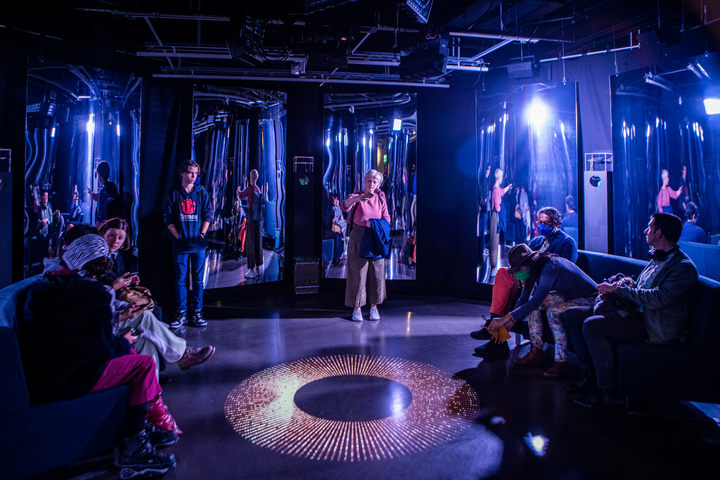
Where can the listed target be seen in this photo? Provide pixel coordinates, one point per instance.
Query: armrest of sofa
(13, 394)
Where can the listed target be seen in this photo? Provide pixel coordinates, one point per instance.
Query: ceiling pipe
(301, 80)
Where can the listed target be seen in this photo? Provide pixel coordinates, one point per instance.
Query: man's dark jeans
(593, 339)
(197, 261)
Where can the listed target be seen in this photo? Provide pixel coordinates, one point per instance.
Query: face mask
(522, 275)
(545, 231)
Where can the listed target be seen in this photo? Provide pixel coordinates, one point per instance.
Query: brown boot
(557, 370)
(195, 356)
(533, 357)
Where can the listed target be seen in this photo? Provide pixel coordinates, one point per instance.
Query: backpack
(258, 207)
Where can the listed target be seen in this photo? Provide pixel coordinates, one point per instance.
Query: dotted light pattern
(262, 409)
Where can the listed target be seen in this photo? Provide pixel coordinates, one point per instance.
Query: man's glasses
(547, 224)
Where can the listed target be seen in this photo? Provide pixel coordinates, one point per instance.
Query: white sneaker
(374, 314)
(250, 274)
(357, 315)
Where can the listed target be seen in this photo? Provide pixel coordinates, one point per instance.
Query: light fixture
(712, 106)
(537, 443)
(52, 132)
(91, 124)
(397, 124)
(117, 129)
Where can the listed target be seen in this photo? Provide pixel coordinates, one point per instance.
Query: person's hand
(130, 337)
(625, 281)
(134, 280)
(334, 219)
(605, 288)
(44, 221)
(368, 224)
(130, 312)
(679, 190)
(505, 321)
(366, 196)
(123, 281)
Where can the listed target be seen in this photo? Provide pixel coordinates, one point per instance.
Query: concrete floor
(433, 333)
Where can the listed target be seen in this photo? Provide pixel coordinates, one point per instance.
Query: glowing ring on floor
(262, 409)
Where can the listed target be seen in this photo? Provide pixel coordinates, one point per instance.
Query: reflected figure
(365, 278)
(109, 202)
(498, 218)
(666, 193)
(691, 232)
(253, 224)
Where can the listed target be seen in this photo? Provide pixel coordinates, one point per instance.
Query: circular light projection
(262, 409)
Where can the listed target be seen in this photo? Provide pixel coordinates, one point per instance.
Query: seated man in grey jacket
(660, 316)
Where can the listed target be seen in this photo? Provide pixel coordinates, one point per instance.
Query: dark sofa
(688, 371)
(38, 438)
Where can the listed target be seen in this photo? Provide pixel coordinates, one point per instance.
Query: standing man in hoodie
(187, 216)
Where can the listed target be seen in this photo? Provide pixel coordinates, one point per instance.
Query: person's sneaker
(195, 356)
(180, 320)
(137, 456)
(357, 315)
(198, 320)
(374, 314)
(482, 334)
(160, 438)
(492, 349)
(250, 274)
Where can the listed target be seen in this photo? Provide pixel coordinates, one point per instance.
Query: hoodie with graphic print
(188, 211)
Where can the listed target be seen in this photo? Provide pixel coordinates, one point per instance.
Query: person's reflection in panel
(686, 189)
(691, 232)
(666, 193)
(498, 218)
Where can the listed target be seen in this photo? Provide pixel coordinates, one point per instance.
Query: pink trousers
(136, 370)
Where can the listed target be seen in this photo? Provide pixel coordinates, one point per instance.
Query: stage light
(537, 113)
(371, 131)
(91, 124)
(712, 106)
(537, 443)
(117, 128)
(397, 124)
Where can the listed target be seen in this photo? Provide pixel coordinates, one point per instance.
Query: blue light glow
(537, 443)
(397, 124)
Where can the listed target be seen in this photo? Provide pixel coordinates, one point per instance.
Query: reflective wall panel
(527, 147)
(666, 133)
(236, 131)
(78, 120)
(364, 132)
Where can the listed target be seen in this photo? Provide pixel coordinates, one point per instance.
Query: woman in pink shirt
(663, 197)
(253, 240)
(496, 207)
(365, 278)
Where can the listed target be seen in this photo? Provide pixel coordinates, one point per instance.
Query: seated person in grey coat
(660, 314)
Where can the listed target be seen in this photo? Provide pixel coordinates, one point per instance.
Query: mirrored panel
(81, 155)
(666, 128)
(239, 143)
(527, 160)
(364, 132)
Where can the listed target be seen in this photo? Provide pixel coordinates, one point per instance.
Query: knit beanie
(85, 249)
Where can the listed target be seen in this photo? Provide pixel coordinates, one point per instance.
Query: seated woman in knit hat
(68, 350)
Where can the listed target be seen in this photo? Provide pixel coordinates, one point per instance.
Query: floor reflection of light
(262, 409)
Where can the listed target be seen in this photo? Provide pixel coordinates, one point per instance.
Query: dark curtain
(167, 134)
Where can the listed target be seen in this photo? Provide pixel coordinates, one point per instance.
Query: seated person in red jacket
(68, 351)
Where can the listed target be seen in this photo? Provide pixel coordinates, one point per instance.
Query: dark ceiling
(362, 40)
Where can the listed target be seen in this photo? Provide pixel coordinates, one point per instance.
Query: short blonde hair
(498, 173)
(375, 174)
(254, 173)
